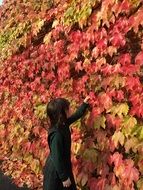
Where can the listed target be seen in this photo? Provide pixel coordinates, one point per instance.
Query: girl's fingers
(86, 99)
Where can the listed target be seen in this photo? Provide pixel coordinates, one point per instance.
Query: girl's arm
(79, 112)
(57, 155)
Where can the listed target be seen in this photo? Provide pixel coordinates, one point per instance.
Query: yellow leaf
(28, 158)
(76, 147)
(119, 109)
(35, 166)
(117, 81)
(116, 187)
(55, 23)
(135, 3)
(100, 122)
(47, 38)
(40, 111)
(131, 144)
(84, 179)
(118, 137)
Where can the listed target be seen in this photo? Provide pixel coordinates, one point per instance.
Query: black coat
(58, 165)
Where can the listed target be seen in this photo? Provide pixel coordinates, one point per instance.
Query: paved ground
(6, 183)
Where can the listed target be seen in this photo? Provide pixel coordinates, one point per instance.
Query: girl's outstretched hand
(67, 183)
(86, 100)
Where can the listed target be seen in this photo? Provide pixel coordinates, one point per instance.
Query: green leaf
(138, 132)
(90, 154)
(141, 133)
(128, 125)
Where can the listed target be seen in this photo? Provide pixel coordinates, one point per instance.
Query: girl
(58, 169)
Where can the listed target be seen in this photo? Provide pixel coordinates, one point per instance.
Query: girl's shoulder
(55, 131)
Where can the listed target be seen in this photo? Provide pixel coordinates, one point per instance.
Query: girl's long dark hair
(56, 111)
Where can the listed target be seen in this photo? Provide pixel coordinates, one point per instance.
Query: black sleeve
(57, 155)
(78, 114)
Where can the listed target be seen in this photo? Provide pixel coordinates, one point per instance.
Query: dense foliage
(71, 49)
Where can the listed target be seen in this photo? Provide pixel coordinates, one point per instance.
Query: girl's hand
(86, 100)
(67, 183)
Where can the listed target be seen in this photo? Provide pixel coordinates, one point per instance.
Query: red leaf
(125, 59)
(78, 66)
(130, 69)
(27, 146)
(137, 110)
(113, 122)
(118, 40)
(76, 37)
(99, 184)
(107, 69)
(92, 182)
(133, 84)
(105, 101)
(102, 45)
(120, 95)
(139, 59)
(125, 6)
(116, 158)
(112, 179)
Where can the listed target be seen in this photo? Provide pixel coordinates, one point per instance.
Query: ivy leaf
(140, 164)
(91, 155)
(141, 133)
(118, 137)
(139, 58)
(84, 179)
(105, 100)
(35, 166)
(120, 109)
(117, 81)
(118, 40)
(119, 95)
(128, 125)
(47, 38)
(40, 111)
(111, 50)
(78, 66)
(37, 26)
(140, 183)
(100, 122)
(131, 144)
(76, 147)
(113, 121)
(138, 131)
(95, 52)
(116, 158)
(125, 59)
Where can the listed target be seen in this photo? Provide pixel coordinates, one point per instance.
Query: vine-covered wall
(71, 49)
